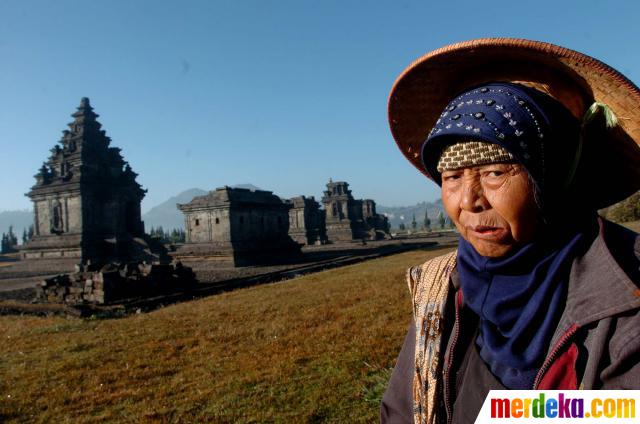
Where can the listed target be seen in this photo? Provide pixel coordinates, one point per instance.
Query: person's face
(492, 206)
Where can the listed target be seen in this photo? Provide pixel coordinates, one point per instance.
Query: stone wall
(70, 209)
(113, 282)
(260, 224)
(204, 226)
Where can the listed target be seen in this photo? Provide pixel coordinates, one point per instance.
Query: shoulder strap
(429, 286)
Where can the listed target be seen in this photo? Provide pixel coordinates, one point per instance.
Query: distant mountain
(167, 215)
(18, 219)
(404, 214)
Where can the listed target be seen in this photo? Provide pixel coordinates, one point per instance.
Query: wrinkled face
(493, 206)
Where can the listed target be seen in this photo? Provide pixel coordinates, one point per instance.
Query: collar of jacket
(598, 285)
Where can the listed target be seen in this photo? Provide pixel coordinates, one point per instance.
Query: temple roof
(228, 196)
(84, 155)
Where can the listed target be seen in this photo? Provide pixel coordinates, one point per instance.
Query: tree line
(174, 236)
(442, 222)
(9, 242)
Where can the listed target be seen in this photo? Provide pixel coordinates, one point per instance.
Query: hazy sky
(280, 94)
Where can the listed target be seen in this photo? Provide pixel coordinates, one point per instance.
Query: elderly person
(527, 141)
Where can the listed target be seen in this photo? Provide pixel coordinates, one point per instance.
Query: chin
(489, 250)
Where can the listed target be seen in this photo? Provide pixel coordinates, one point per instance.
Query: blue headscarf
(519, 298)
(536, 129)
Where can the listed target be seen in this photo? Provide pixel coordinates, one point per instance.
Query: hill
(166, 214)
(404, 214)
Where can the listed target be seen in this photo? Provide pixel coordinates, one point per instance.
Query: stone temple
(306, 221)
(86, 199)
(237, 225)
(242, 226)
(350, 219)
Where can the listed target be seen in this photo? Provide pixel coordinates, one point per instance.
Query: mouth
(487, 232)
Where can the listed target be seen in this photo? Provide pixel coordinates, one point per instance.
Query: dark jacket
(596, 344)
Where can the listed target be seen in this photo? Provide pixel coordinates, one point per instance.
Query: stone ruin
(86, 200)
(306, 221)
(110, 283)
(86, 203)
(237, 226)
(349, 219)
(87, 206)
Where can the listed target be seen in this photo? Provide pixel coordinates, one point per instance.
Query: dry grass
(313, 349)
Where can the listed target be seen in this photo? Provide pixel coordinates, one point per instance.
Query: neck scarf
(519, 299)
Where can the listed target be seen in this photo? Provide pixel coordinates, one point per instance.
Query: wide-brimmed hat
(610, 164)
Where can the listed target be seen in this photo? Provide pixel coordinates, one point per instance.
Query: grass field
(318, 348)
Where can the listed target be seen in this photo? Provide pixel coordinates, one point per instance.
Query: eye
(451, 176)
(495, 173)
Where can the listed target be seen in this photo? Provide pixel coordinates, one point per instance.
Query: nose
(472, 199)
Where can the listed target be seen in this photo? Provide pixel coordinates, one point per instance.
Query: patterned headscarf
(472, 153)
(529, 126)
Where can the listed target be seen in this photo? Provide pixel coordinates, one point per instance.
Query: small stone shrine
(350, 219)
(238, 226)
(377, 225)
(86, 199)
(306, 221)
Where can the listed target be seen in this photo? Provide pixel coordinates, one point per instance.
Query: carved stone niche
(57, 223)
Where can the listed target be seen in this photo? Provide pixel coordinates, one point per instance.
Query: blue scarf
(519, 299)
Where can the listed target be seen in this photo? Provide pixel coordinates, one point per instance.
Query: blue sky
(280, 94)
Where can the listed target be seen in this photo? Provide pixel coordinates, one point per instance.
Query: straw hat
(610, 164)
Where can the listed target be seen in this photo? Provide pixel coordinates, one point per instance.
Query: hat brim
(576, 80)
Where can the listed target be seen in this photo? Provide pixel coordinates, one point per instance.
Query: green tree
(9, 241)
(441, 220)
(13, 239)
(449, 223)
(177, 236)
(402, 227)
(427, 221)
(414, 224)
